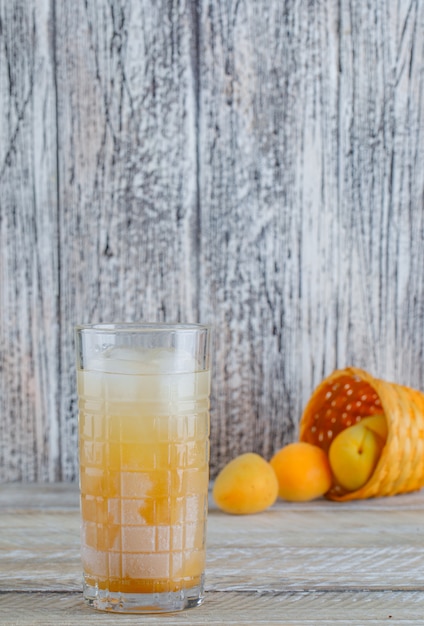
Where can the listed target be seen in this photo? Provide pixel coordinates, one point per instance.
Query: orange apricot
(247, 484)
(303, 472)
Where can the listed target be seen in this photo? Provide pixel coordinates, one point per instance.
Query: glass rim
(141, 327)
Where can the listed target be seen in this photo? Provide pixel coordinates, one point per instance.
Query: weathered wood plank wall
(255, 165)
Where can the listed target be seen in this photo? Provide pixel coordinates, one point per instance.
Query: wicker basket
(348, 395)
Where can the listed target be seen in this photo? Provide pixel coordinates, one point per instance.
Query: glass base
(164, 602)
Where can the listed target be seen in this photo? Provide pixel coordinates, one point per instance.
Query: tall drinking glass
(144, 464)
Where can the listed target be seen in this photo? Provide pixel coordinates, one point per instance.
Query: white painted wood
(29, 261)
(127, 173)
(318, 562)
(233, 609)
(312, 204)
(253, 165)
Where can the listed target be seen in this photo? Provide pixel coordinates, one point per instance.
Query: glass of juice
(143, 396)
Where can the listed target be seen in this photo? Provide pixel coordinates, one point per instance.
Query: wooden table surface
(313, 563)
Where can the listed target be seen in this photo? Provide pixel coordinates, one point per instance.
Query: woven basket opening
(339, 404)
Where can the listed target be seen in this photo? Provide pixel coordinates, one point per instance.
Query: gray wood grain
(311, 153)
(127, 172)
(253, 165)
(381, 188)
(29, 280)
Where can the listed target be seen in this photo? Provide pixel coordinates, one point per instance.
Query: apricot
(378, 424)
(302, 470)
(247, 484)
(355, 451)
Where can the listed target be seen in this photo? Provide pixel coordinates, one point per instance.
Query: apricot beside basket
(348, 395)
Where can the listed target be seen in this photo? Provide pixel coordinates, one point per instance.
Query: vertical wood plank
(253, 165)
(263, 88)
(381, 182)
(127, 167)
(29, 433)
(312, 208)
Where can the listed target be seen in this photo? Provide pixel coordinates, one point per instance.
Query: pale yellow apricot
(355, 452)
(247, 484)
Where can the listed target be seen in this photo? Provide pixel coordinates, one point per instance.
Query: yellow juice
(144, 452)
